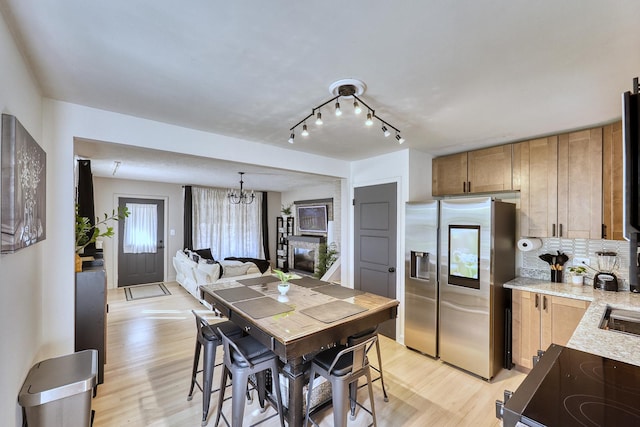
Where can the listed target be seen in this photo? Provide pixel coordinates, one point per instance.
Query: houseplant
(286, 210)
(86, 233)
(577, 274)
(283, 286)
(327, 255)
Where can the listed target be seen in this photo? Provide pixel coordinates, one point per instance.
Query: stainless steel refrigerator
(421, 277)
(477, 256)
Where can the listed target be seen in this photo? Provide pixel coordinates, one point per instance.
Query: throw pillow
(231, 270)
(212, 270)
(204, 253)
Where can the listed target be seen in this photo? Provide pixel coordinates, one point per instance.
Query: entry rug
(146, 291)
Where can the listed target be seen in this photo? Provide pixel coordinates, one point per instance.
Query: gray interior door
(375, 228)
(148, 266)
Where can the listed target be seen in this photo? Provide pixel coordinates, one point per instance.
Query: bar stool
(208, 338)
(343, 366)
(242, 357)
(357, 339)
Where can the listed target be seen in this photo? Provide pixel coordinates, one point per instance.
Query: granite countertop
(588, 336)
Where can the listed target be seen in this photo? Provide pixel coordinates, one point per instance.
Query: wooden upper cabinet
(479, 171)
(449, 175)
(538, 164)
(612, 182)
(561, 185)
(489, 170)
(580, 184)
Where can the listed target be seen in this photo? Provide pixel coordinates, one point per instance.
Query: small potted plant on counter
(577, 274)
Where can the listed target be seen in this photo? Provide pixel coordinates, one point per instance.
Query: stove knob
(500, 404)
(507, 395)
(499, 409)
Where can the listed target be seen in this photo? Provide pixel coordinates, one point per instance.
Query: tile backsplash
(534, 267)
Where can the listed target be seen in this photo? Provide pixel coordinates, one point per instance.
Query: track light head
(369, 120)
(385, 131)
(399, 138)
(291, 138)
(319, 119)
(304, 132)
(356, 107)
(338, 110)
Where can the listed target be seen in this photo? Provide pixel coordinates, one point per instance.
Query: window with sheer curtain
(140, 229)
(226, 228)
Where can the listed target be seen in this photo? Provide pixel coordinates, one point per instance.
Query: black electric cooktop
(572, 388)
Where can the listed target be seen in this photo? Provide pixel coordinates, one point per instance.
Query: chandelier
(241, 197)
(346, 89)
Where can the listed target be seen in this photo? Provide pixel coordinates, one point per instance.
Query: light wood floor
(150, 352)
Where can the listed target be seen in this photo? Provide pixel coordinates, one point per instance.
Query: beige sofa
(191, 274)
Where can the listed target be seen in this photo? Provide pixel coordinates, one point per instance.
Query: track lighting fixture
(346, 88)
(241, 197)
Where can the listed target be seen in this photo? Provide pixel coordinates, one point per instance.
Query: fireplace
(304, 253)
(304, 260)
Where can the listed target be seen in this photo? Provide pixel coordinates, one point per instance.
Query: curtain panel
(140, 229)
(230, 230)
(187, 220)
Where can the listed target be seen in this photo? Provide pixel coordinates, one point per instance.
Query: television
(312, 219)
(631, 138)
(464, 256)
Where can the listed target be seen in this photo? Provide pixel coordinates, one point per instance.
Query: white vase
(283, 288)
(577, 280)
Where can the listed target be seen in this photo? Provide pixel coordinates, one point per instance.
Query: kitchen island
(588, 336)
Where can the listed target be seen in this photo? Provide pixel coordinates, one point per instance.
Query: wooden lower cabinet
(540, 320)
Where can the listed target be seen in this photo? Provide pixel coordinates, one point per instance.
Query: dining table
(312, 316)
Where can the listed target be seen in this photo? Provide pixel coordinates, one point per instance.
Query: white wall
(23, 307)
(106, 194)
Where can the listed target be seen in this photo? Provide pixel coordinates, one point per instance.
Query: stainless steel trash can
(57, 392)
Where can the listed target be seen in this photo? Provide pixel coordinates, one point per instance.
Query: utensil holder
(556, 276)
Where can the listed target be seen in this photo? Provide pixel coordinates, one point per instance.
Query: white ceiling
(452, 75)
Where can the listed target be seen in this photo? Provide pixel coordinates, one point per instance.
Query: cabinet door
(539, 184)
(526, 327)
(489, 170)
(580, 184)
(449, 175)
(612, 182)
(560, 318)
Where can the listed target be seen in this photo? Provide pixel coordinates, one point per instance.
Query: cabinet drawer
(257, 333)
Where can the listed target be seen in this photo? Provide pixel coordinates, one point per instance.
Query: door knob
(392, 270)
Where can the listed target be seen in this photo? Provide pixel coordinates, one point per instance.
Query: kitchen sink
(620, 320)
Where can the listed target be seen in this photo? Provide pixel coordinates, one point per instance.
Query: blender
(606, 279)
